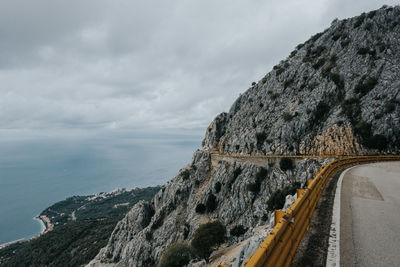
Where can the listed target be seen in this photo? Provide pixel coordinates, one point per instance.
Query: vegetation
(352, 109)
(260, 139)
(360, 20)
(337, 80)
(277, 199)
(75, 243)
(176, 255)
(211, 203)
(260, 176)
(286, 164)
(207, 237)
(185, 175)
(321, 111)
(217, 187)
(238, 230)
(319, 63)
(363, 129)
(365, 85)
(200, 208)
(72, 244)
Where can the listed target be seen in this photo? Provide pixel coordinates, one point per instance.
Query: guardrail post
(299, 192)
(278, 215)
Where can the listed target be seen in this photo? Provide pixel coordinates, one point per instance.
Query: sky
(81, 67)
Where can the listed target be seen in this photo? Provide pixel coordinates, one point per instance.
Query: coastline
(45, 226)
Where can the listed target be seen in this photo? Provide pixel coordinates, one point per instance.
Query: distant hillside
(82, 225)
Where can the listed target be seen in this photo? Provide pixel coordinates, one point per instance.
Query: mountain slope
(338, 93)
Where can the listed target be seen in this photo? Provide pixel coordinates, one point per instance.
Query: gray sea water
(37, 173)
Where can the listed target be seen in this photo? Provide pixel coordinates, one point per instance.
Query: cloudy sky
(100, 65)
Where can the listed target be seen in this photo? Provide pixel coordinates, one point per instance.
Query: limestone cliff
(337, 93)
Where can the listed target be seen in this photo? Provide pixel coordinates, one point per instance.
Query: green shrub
(316, 36)
(360, 19)
(366, 50)
(277, 199)
(200, 208)
(253, 187)
(260, 139)
(377, 142)
(176, 255)
(286, 164)
(238, 230)
(365, 85)
(319, 63)
(217, 187)
(321, 111)
(352, 109)
(185, 175)
(371, 14)
(260, 176)
(337, 79)
(207, 237)
(363, 50)
(211, 203)
(363, 129)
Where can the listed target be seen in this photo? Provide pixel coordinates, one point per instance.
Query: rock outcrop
(337, 93)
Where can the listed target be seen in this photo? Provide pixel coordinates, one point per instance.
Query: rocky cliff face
(338, 93)
(348, 75)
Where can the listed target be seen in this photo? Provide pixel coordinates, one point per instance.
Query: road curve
(370, 215)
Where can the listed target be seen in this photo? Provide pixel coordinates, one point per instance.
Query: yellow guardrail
(279, 247)
(272, 156)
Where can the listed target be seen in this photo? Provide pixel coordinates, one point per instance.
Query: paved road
(370, 216)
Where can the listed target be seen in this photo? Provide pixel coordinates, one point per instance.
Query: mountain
(337, 93)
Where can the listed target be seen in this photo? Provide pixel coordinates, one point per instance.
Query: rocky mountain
(337, 93)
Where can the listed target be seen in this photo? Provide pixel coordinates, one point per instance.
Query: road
(370, 215)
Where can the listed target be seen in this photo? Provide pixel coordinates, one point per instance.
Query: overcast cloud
(100, 65)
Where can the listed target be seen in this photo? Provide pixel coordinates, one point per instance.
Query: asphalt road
(370, 216)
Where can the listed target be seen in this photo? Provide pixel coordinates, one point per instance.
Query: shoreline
(45, 226)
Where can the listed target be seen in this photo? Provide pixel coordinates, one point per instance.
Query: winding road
(370, 215)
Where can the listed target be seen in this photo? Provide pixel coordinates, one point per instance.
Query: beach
(46, 226)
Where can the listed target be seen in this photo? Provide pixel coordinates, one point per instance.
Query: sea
(37, 172)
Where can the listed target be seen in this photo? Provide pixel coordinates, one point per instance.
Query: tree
(286, 164)
(207, 237)
(176, 255)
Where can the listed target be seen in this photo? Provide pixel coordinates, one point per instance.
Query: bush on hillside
(238, 230)
(286, 164)
(217, 187)
(176, 255)
(365, 85)
(256, 186)
(211, 203)
(207, 237)
(200, 208)
(277, 199)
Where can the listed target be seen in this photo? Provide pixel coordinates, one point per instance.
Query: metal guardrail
(279, 247)
(272, 156)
